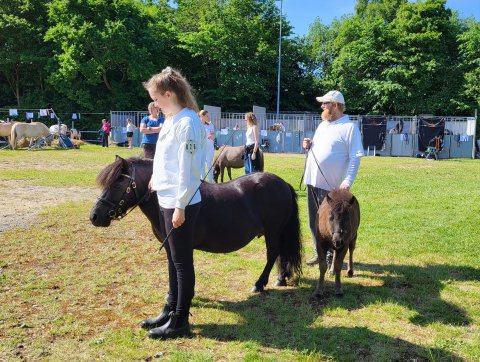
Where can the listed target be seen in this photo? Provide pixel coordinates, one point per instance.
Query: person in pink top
(105, 132)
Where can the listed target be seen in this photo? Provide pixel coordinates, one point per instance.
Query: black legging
(105, 139)
(149, 150)
(180, 259)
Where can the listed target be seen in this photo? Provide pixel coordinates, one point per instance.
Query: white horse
(6, 129)
(54, 129)
(28, 130)
(75, 135)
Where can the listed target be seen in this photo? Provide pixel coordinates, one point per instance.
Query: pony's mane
(340, 197)
(112, 172)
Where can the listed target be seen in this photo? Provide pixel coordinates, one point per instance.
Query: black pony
(231, 213)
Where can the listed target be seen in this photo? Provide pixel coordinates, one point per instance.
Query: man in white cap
(333, 158)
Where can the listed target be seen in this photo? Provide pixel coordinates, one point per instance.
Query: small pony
(32, 130)
(231, 157)
(231, 214)
(338, 219)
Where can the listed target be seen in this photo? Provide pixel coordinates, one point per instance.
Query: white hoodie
(337, 147)
(178, 161)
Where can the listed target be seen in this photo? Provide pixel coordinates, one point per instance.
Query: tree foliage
(396, 57)
(390, 57)
(23, 53)
(105, 49)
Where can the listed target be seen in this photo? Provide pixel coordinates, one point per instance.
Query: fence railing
(285, 133)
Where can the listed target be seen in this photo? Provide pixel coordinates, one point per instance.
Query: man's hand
(307, 143)
(150, 185)
(253, 156)
(178, 217)
(344, 186)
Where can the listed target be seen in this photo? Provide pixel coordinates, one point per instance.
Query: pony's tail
(13, 137)
(291, 248)
(260, 160)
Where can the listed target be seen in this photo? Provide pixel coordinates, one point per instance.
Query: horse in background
(6, 130)
(54, 129)
(338, 219)
(75, 134)
(231, 214)
(232, 157)
(32, 131)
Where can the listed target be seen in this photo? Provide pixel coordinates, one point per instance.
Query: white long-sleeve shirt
(337, 147)
(179, 160)
(210, 130)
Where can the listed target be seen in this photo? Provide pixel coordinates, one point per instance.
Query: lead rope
(319, 168)
(198, 188)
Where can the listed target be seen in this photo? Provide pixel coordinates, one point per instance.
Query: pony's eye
(115, 186)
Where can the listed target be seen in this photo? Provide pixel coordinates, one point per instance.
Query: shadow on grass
(417, 288)
(275, 320)
(288, 318)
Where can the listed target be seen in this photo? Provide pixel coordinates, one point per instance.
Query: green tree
(105, 49)
(234, 45)
(23, 53)
(470, 51)
(392, 57)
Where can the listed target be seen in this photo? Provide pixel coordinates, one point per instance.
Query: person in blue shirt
(150, 127)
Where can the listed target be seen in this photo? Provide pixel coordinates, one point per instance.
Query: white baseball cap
(332, 96)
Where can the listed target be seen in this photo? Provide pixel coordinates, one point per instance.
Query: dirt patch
(24, 202)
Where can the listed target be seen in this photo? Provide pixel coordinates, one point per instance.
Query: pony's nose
(93, 217)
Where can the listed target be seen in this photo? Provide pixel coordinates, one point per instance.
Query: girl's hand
(150, 185)
(178, 217)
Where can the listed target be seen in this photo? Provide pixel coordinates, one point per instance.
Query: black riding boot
(158, 321)
(176, 326)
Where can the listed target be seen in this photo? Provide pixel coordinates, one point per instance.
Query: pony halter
(117, 211)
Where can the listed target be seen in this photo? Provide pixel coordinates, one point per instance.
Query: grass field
(70, 291)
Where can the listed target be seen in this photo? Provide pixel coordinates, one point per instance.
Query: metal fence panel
(230, 129)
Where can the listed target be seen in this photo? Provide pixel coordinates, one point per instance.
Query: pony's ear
(122, 161)
(352, 200)
(329, 199)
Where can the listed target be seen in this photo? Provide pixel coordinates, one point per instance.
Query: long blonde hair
(171, 80)
(250, 117)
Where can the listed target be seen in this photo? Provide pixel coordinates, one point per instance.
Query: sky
(301, 13)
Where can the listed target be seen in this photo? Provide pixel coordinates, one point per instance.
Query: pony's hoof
(256, 289)
(280, 283)
(318, 296)
(350, 273)
(339, 293)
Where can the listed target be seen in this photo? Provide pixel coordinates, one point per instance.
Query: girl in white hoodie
(177, 169)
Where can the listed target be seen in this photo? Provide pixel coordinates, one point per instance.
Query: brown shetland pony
(338, 219)
(231, 157)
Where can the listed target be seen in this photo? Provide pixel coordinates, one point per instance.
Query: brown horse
(231, 157)
(338, 219)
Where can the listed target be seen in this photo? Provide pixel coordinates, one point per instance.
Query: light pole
(279, 61)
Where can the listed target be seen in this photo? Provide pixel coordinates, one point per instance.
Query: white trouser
(209, 152)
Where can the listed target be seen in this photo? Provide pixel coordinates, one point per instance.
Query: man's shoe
(158, 321)
(329, 257)
(176, 327)
(313, 261)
